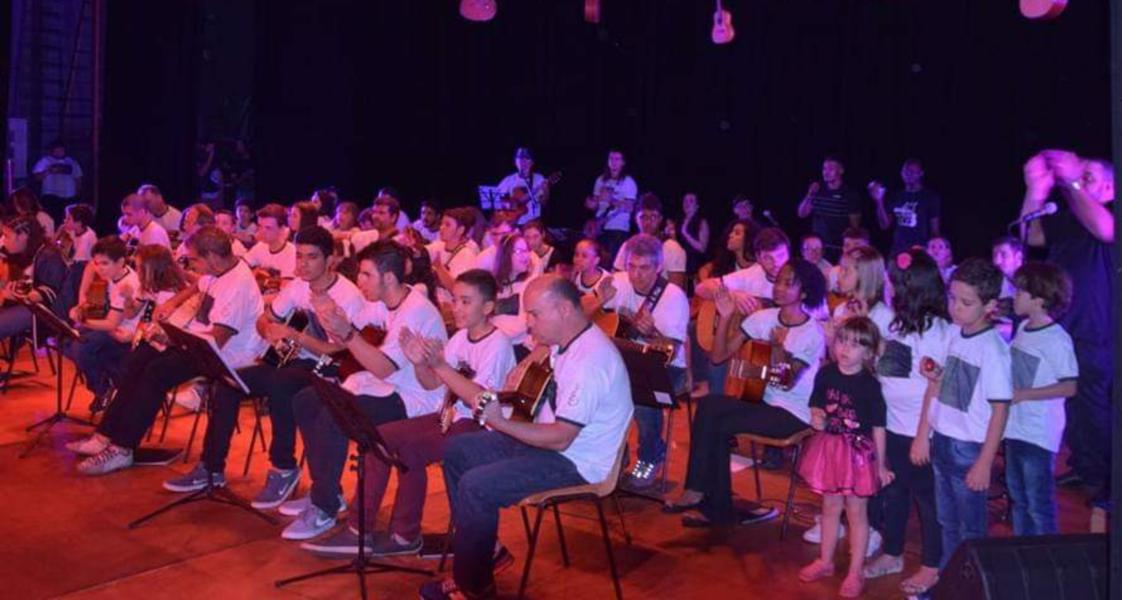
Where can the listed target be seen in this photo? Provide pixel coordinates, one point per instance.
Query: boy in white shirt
(274, 253)
(142, 225)
(168, 216)
(454, 252)
(966, 406)
(78, 222)
(649, 219)
(660, 313)
(1045, 372)
(226, 221)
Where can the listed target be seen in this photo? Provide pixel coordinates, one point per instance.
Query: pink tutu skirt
(843, 464)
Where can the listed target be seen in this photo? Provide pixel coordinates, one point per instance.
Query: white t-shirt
(362, 239)
(805, 343)
(423, 318)
(127, 281)
(593, 393)
(457, 261)
(153, 234)
(491, 358)
(671, 314)
(1040, 357)
(898, 370)
(486, 260)
(402, 220)
(430, 235)
(615, 219)
(514, 326)
(83, 245)
(589, 289)
(880, 314)
(673, 258)
(284, 260)
(297, 295)
(170, 220)
(751, 280)
(63, 185)
(978, 371)
(533, 203)
(232, 300)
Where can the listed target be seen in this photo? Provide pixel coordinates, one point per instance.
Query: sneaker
(88, 446)
(194, 481)
(386, 544)
(112, 458)
(343, 543)
(294, 508)
(279, 485)
(875, 541)
(642, 475)
(757, 515)
(814, 534)
(312, 522)
(189, 398)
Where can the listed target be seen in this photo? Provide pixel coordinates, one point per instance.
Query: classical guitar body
(756, 366)
(592, 11)
(346, 362)
(707, 324)
(1042, 10)
(448, 411)
(279, 354)
(97, 300)
(533, 388)
(723, 32)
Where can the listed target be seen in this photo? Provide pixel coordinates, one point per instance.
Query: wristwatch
(1076, 185)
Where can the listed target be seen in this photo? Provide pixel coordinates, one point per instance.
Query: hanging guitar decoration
(478, 10)
(1042, 10)
(723, 32)
(592, 11)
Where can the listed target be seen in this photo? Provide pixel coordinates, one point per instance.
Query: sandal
(852, 586)
(819, 569)
(883, 565)
(911, 588)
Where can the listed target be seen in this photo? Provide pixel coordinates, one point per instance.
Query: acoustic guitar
(96, 306)
(534, 387)
(283, 351)
(624, 334)
(343, 364)
(723, 32)
(756, 366)
(448, 412)
(1042, 10)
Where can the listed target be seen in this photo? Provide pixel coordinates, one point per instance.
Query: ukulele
(756, 366)
(534, 387)
(1042, 10)
(723, 32)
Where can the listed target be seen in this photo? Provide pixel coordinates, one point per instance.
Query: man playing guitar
(536, 185)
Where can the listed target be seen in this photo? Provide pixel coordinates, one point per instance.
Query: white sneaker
(188, 397)
(311, 523)
(814, 534)
(112, 458)
(875, 541)
(89, 446)
(294, 508)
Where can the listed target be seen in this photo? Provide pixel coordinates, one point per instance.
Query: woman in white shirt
(613, 202)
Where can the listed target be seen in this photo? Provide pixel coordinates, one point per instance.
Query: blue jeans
(1029, 477)
(100, 357)
(961, 510)
(648, 420)
(483, 472)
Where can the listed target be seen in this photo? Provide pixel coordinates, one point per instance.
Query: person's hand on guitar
(121, 335)
(275, 332)
(492, 412)
(724, 301)
(644, 323)
(817, 419)
(333, 320)
(606, 290)
(746, 303)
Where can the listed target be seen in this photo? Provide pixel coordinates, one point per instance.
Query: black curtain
(362, 94)
(149, 124)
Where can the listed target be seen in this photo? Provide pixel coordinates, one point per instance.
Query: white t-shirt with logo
(805, 343)
(673, 258)
(898, 370)
(297, 295)
(593, 393)
(671, 315)
(880, 314)
(615, 219)
(491, 358)
(978, 371)
(1041, 357)
(233, 301)
(283, 260)
(422, 317)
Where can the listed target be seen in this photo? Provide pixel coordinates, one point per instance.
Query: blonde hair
(870, 274)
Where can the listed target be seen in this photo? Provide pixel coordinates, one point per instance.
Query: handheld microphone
(1049, 208)
(767, 215)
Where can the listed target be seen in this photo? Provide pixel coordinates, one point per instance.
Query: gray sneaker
(312, 522)
(343, 543)
(194, 481)
(386, 545)
(643, 474)
(294, 508)
(112, 458)
(279, 485)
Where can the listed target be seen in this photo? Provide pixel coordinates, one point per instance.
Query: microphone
(767, 215)
(1049, 208)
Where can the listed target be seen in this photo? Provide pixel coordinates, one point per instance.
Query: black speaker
(1047, 567)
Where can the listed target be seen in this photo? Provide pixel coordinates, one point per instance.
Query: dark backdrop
(362, 94)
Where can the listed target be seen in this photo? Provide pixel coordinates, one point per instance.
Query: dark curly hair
(918, 292)
(811, 281)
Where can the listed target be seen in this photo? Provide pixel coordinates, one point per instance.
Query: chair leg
(525, 522)
(608, 548)
(561, 536)
(194, 429)
(530, 553)
(73, 387)
(257, 431)
(790, 492)
(622, 522)
(756, 473)
(667, 440)
(447, 544)
(169, 404)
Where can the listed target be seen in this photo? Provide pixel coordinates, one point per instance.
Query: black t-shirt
(1090, 264)
(853, 403)
(830, 214)
(912, 213)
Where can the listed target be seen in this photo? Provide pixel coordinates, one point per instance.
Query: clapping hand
(1065, 166)
(812, 189)
(876, 190)
(606, 290)
(332, 318)
(1038, 176)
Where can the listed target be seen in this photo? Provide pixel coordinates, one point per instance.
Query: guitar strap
(654, 296)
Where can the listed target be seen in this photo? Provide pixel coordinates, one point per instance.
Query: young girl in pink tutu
(842, 460)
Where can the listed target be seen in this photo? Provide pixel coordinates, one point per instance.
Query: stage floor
(65, 535)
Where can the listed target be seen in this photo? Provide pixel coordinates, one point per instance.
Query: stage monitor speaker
(1048, 567)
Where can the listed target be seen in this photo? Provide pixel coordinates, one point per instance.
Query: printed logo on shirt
(202, 315)
(1024, 368)
(959, 381)
(896, 360)
(906, 214)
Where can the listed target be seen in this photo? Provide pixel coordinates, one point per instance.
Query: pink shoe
(816, 570)
(852, 587)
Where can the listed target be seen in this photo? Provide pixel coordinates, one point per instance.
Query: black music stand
(356, 426)
(204, 354)
(650, 387)
(62, 331)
